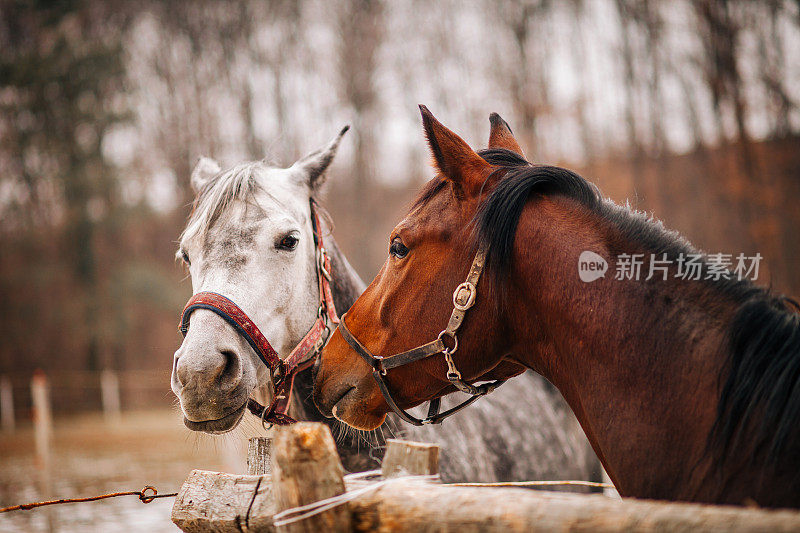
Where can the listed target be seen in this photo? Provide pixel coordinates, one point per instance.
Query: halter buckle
(321, 256)
(464, 296)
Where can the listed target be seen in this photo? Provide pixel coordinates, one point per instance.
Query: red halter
(301, 357)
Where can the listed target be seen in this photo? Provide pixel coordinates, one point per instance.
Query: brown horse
(687, 389)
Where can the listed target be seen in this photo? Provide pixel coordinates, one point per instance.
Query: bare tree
(360, 32)
(719, 31)
(527, 80)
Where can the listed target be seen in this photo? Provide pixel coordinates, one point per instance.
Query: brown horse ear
(500, 135)
(453, 157)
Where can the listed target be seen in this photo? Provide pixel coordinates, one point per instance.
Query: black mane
(759, 403)
(497, 219)
(759, 406)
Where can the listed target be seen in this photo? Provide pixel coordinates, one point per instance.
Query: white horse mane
(236, 183)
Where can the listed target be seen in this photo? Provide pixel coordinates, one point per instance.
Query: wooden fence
(295, 483)
(82, 391)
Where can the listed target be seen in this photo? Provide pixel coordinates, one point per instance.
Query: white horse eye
(185, 258)
(289, 242)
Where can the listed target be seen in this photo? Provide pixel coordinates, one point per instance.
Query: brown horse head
(688, 387)
(430, 252)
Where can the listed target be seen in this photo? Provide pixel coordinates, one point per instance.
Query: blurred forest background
(686, 108)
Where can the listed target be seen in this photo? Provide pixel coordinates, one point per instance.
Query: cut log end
(410, 458)
(259, 456)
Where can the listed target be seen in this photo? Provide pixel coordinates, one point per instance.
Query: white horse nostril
(207, 370)
(230, 371)
(175, 375)
(184, 371)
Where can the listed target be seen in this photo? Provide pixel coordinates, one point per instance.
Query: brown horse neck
(637, 361)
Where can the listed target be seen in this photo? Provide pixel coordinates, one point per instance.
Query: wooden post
(259, 456)
(405, 457)
(42, 418)
(7, 404)
(43, 431)
(109, 394)
(305, 469)
(224, 503)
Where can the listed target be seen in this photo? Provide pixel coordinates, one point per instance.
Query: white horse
(250, 239)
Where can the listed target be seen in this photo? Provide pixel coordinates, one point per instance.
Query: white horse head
(250, 239)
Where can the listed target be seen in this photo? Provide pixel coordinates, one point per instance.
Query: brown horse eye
(398, 249)
(288, 243)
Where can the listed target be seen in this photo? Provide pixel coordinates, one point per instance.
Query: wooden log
(259, 456)
(210, 501)
(405, 457)
(222, 503)
(406, 505)
(305, 469)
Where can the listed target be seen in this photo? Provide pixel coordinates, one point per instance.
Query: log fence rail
(306, 490)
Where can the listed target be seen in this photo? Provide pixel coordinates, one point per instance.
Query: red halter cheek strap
(301, 357)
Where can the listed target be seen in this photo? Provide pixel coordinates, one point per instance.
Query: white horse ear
(203, 172)
(312, 167)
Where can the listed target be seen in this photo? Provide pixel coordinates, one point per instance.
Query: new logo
(591, 266)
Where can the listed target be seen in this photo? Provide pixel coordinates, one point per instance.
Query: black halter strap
(463, 299)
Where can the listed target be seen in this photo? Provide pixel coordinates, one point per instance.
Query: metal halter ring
(447, 350)
(470, 288)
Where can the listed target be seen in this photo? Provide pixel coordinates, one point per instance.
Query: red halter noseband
(301, 357)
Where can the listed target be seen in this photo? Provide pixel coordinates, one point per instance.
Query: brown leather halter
(301, 357)
(463, 299)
